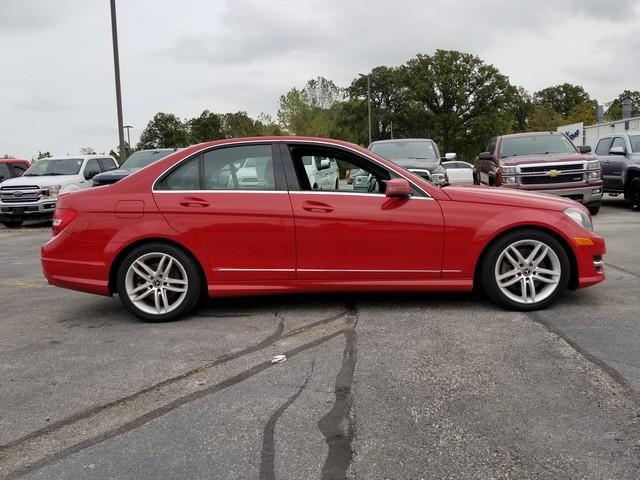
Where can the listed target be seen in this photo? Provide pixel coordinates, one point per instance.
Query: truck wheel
(632, 194)
(13, 223)
(525, 270)
(594, 208)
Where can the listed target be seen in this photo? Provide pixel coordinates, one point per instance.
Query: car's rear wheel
(13, 223)
(633, 195)
(525, 270)
(159, 282)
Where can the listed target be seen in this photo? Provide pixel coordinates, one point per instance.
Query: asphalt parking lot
(374, 387)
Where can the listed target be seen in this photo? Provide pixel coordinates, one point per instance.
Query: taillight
(61, 218)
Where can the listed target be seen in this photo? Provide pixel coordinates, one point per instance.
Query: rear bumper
(68, 263)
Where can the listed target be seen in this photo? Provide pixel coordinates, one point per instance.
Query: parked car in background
(12, 167)
(172, 232)
(619, 156)
(542, 162)
(34, 195)
(459, 172)
(323, 172)
(418, 155)
(135, 161)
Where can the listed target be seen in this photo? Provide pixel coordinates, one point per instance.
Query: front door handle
(317, 207)
(194, 202)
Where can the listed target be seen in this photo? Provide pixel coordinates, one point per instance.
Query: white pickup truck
(34, 195)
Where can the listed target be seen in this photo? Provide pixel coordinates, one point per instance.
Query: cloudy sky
(184, 56)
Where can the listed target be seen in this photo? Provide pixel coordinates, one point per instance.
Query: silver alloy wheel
(156, 283)
(528, 271)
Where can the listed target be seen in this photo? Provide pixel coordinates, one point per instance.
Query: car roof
(77, 157)
(529, 134)
(13, 160)
(396, 140)
(620, 134)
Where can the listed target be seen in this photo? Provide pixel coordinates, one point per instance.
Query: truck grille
(552, 174)
(546, 180)
(546, 168)
(21, 194)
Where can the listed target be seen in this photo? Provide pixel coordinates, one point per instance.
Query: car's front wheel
(158, 282)
(13, 223)
(525, 270)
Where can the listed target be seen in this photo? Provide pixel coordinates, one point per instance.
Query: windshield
(138, 160)
(400, 150)
(635, 143)
(61, 166)
(535, 145)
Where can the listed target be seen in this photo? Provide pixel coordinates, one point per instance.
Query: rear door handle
(317, 207)
(194, 202)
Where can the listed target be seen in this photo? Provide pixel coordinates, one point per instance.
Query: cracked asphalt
(374, 386)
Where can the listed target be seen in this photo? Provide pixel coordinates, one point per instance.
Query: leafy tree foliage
(163, 131)
(563, 99)
(87, 151)
(41, 155)
(205, 128)
(614, 112)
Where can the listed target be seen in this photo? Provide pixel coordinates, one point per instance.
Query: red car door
(356, 232)
(231, 201)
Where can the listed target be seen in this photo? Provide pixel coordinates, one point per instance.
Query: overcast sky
(183, 56)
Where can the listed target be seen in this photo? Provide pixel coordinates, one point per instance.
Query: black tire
(337, 184)
(488, 267)
(594, 208)
(193, 274)
(13, 223)
(633, 194)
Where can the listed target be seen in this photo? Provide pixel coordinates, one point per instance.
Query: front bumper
(585, 194)
(32, 210)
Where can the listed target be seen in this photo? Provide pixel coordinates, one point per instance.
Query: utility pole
(127, 128)
(116, 67)
(368, 101)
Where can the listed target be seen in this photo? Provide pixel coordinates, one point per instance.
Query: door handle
(194, 202)
(317, 207)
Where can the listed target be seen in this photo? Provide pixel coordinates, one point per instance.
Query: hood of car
(507, 196)
(545, 158)
(42, 180)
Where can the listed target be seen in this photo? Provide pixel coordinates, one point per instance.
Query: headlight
(580, 217)
(438, 177)
(593, 165)
(593, 170)
(508, 171)
(53, 190)
(593, 175)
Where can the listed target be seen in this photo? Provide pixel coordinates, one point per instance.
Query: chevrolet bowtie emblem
(553, 173)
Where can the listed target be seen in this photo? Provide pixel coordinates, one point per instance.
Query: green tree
(87, 151)
(584, 112)
(614, 112)
(464, 100)
(165, 130)
(563, 99)
(240, 124)
(543, 118)
(205, 128)
(521, 109)
(41, 155)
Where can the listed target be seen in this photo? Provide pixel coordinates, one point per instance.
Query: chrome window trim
(279, 192)
(319, 142)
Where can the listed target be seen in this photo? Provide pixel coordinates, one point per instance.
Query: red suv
(543, 162)
(190, 225)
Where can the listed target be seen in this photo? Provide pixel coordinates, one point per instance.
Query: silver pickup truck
(619, 156)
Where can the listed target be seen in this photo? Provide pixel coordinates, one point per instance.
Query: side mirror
(398, 188)
(584, 149)
(485, 156)
(617, 151)
(324, 164)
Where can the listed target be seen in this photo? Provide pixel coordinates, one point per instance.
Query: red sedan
(240, 217)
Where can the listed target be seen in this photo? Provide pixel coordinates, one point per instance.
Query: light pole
(368, 101)
(128, 127)
(116, 67)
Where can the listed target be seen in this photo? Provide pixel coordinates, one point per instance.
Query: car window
(619, 142)
(246, 167)
(403, 149)
(635, 143)
(535, 145)
(604, 146)
(19, 168)
(491, 146)
(327, 170)
(92, 168)
(184, 177)
(107, 164)
(4, 171)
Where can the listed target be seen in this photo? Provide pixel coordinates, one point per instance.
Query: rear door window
(107, 164)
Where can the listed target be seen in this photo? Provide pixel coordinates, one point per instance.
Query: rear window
(402, 150)
(535, 145)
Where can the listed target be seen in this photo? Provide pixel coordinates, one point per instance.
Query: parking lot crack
(267, 461)
(337, 425)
